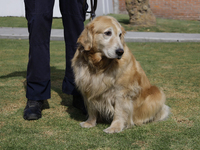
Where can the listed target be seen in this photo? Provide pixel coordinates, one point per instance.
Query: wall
(122, 6)
(16, 8)
(12, 8)
(103, 7)
(174, 9)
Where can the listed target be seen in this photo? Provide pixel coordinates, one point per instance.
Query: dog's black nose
(119, 52)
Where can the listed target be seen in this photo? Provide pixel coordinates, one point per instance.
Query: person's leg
(73, 16)
(39, 17)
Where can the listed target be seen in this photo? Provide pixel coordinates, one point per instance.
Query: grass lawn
(163, 25)
(175, 67)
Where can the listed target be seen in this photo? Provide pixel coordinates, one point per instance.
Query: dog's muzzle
(119, 53)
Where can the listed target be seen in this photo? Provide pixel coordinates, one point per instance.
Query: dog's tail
(163, 114)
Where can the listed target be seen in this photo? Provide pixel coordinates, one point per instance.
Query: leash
(93, 4)
(93, 9)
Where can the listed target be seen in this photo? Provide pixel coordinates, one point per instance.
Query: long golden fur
(111, 81)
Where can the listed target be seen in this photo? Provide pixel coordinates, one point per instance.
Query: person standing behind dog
(39, 14)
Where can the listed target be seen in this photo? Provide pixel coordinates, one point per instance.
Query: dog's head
(104, 35)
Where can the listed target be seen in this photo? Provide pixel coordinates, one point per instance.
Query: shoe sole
(32, 117)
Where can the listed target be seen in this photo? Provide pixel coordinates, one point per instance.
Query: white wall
(12, 8)
(16, 8)
(103, 7)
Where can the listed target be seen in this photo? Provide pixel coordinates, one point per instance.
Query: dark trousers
(39, 16)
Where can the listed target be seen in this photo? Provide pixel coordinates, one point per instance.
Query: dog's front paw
(112, 130)
(87, 125)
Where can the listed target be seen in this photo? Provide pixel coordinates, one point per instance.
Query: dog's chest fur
(92, 82)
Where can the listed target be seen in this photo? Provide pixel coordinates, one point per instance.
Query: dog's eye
(120, 35)
(108, 33)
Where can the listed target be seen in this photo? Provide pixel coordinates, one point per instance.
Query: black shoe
(33, 110)
(78, 103)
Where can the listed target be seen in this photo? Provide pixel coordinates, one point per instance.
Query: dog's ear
(123, 34)
(85, 39)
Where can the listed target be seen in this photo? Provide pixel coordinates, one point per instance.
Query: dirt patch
(183, 121)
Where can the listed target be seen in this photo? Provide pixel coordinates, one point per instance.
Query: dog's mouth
(119, 57)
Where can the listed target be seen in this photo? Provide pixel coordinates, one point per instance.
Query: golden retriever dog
(112, 82)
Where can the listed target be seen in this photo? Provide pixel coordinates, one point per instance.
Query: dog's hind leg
(153, 108)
